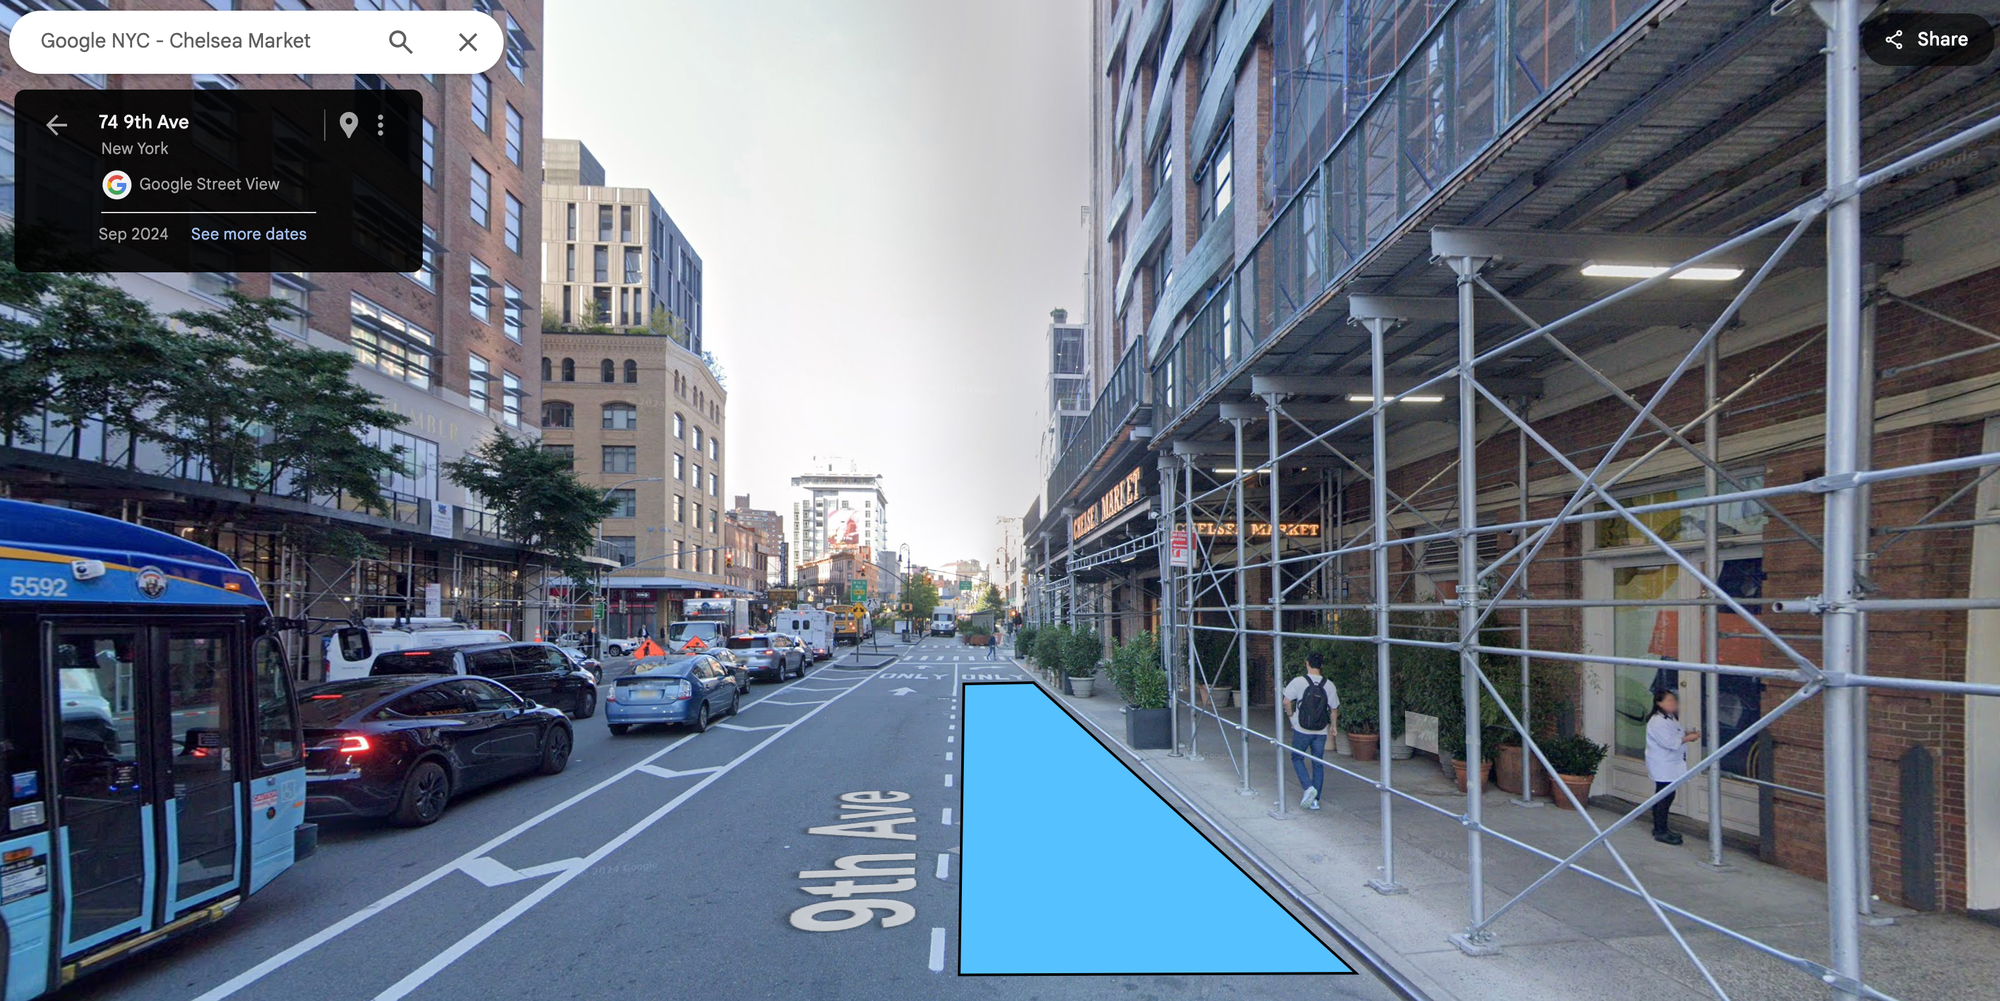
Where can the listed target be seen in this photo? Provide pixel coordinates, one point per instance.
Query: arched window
(548, 369)
(607, 372)
(557, 414)
(680, 425)
(620, 417)
(569, 370)
(631, 370)
(697, 438)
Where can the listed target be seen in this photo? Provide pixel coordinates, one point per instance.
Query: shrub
(1081, 650)
(1574, 755)
(1024, 641)
(1132, 660)
(1217, 654)
(1149, 688)
(1049, 644)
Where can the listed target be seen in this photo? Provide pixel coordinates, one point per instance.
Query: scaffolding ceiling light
(1694, 274)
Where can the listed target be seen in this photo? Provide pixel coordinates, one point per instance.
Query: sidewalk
(1574, 939)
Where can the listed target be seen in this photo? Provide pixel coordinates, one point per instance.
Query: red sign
(1178, 549)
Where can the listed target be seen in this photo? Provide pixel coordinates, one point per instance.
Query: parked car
(692, 689)
(589, 665)
(771, 655)
(402, 746)
(539, 671)
(733, 661)
(619, 648)
(807, 652)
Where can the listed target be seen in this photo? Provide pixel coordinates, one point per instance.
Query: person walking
(1666, 757)
(993, 644)
(1314, 705)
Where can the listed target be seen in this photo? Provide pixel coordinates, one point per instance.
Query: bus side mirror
(353, 643)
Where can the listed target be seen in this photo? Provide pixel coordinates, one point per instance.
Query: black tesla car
(402, 746)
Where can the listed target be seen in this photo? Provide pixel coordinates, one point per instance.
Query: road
(660, 861)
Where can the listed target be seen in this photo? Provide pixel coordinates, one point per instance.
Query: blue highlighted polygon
(1072, 865)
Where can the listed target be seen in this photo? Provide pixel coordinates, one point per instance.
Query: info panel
(219, 180)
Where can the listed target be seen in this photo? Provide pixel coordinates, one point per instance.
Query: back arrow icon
(56, 122)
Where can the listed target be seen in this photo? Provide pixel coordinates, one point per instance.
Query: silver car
(772, 655)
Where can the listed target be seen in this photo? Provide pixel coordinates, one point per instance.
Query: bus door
(146, 782)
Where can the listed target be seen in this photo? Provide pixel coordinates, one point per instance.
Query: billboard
(843, 529)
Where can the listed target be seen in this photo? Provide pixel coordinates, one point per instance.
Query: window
(6, 162)
(512, 223)
(696, 482)
(697, 438)
(680, 509)
(624, 224)
(515, 130)
(631, 370)
(621, 417)
(621, 458)
(289, 287)
(481, 201)
(571, 214)
(389, 343)
(680, 467)
(634, 271)
(680, 426)
(430, 153)
(1217, 189)
(606, 371)
(714, 485)
(516, 46)
(626, 548)
(426, 273)
(510, 399)
(480, 291)
(625, 503)
(569, 370)
(604, 223)
(511, 309)
(213, 81)
(548, 369)
(600, 264)
(482, 103)
(714, 447)
(479, 384)
(415, 473)
(569, 261)
(713, 513)
(697, 516)
(557, 414)
(277, 709)
(568, 452)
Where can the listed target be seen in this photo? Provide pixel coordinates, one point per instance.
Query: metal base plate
(1472, 948)
(1388, 889)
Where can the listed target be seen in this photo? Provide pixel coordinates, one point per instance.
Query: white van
(944, 622)
(386, 634)
(813, 627)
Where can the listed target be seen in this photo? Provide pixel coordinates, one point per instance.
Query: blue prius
(694, 690)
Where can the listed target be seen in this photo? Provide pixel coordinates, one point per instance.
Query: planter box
(1065, 685)
(1148, 729)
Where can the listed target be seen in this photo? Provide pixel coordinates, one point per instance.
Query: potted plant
(1451, 744)
(1217, 654)
(1081, 651)
(1361, 724)
(1575, 759)
(1148, 721)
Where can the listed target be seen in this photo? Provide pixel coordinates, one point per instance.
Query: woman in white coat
(1666, 758)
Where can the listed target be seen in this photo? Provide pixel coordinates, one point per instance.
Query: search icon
(399, 40)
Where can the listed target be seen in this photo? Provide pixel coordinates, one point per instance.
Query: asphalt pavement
(665, 863)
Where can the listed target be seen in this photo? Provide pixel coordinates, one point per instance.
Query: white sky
(886, 196)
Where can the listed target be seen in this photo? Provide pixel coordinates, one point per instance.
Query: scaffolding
(1490, 549)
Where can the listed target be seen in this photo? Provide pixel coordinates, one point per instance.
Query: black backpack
(1314, 713)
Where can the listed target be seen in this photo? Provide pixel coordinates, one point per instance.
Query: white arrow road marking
(747, 729)
(902, 691)
(937, 950)
(668, 773)
(496, 873)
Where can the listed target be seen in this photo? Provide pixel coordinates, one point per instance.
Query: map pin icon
(347, 123)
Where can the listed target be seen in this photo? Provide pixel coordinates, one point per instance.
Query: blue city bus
(153, 769)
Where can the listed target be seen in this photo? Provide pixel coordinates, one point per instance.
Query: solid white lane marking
(947, 816)
(747, 729)
(493, 872)
(937, 950)
(668, 773)
(947, 780)
(944, 866)
(338, 928)
(422, 974)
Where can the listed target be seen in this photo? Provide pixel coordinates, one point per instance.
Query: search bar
(280, 41)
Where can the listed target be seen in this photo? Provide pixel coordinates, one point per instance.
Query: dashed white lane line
(668, 773)
(947, 780)
(747, 729)
(775, 702)
(944, 866)
(947, 755)
(947, 816)
(951, 738)
(937, 950)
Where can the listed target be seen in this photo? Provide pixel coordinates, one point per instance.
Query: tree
(262, 411)
(990, 601)
(922, 596)
(538, 499)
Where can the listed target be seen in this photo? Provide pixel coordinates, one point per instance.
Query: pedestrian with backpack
(1314, 706)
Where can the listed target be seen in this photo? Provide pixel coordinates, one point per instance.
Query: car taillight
(353, 744)
(686, 692)
(766, 652)
(611, 696)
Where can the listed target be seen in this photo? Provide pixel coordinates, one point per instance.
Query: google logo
(117, 184)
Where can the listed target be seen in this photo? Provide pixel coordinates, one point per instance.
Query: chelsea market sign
(1117, 499)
